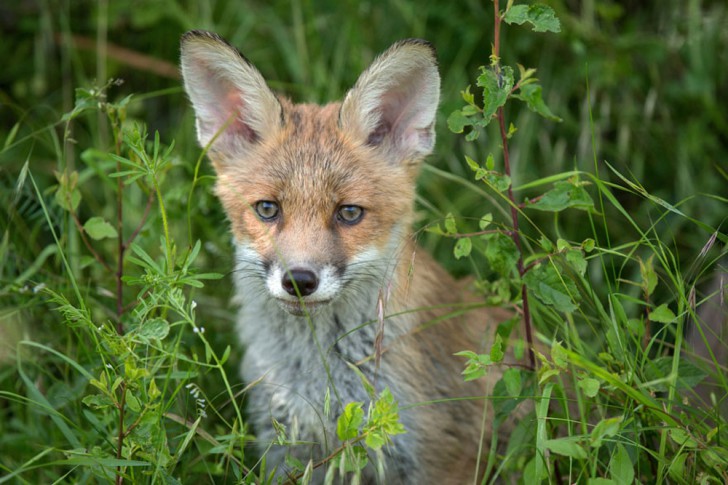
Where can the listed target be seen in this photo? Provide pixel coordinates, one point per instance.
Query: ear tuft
(234, 107)
(393, 104)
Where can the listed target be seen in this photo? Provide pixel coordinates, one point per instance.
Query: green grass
(641, 90)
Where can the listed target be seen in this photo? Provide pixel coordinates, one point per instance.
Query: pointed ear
(393, 104)
(234, 107)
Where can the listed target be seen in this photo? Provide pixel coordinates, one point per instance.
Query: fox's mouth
(301, 308)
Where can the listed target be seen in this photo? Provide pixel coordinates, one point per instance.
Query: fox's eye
(350, 214)
(267, 210)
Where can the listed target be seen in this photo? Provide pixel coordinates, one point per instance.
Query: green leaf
(435, 229)
(558, 355)
(97, 401)
(505, 328)
(476, 365)
(542, 17)
(97, 228)
(677, 467)
(68, 199)
(601, 481)
(716, 456)
(348, 424)
(102, 384)
(566, 447)
(662, 314)
(384, 421)
(589, 386)
(474, 166)
(532, 95)
(564, 194)
(649, 277)
(473, 135)
(688, 374)
(498, 181)
(450, 226)
(547, 374)
(463, 246)
(507, 394)
(153, 391)
(225, 355)
(501, 253)
(513, 382)
(496, 351)
(497, 84)
(457, 121)
(621, 468)
(468, 96)
(154, 329)
(606, 428)
(86, 99)
(132, 402)
(546, 244)
(551, 288)
(577, 261)
(532, 473)
(485, 221)
(588, 245)
(682, 438)
(525, 74)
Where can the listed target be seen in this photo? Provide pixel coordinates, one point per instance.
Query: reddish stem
(514, 208)
(150, 200)
(85, 240)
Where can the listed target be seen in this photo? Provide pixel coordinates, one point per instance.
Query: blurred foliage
(639, 84)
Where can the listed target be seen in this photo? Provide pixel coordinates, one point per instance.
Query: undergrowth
(117, 360)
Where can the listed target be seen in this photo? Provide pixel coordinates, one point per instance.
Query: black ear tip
(200, 34)
(414, 41)
(207, 36)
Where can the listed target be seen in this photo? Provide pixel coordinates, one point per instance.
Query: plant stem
(85, 240)
(120, 444)
(143, 220)
(121, 248)
(165, 224)
(514, 208)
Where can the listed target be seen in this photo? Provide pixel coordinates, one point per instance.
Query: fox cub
(320, 202)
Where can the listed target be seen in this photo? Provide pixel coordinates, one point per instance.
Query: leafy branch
(499, 85)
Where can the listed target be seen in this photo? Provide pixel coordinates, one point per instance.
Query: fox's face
(319, 198)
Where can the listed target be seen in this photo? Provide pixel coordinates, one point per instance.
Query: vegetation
(115, 323)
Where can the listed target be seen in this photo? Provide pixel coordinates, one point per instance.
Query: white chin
(299, 310)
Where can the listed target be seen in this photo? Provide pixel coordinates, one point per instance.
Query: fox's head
(320, 198)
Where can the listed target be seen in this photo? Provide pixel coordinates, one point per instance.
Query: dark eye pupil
(266, 209)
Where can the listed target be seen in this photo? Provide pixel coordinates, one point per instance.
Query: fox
(331, 286)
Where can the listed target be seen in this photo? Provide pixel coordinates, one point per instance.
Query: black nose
(305, 280)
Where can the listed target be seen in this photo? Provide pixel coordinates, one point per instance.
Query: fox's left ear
(394, 102)
(234, 108)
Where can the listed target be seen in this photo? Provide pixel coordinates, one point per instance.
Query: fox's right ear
(392, 106)
(233, 105)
